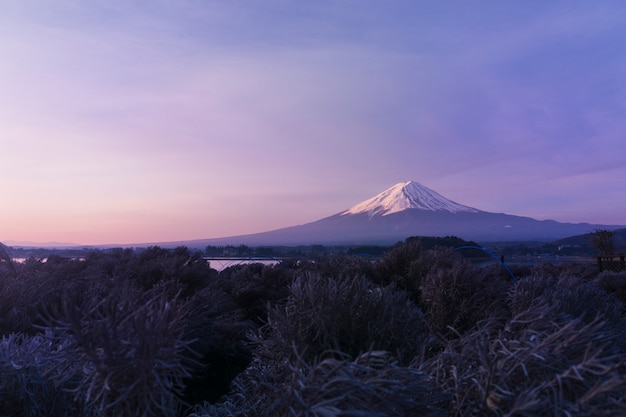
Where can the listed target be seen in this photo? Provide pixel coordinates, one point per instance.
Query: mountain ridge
(410, 209)
(407, 195)
(403, 210)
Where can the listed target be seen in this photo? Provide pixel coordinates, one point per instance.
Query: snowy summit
(407, 195)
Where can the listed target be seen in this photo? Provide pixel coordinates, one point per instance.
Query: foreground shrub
(541, 363)
(219, 329)
(255, 286)
(455, 295)
(124, 355)
(573, 297)
(23, 291)
(565, 271)
(397, 266)
(15, 313)
(347, 314)
(371, 385)
(25, 390)
(613, 283)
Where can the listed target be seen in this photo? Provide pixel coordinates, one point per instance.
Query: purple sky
(129, 121)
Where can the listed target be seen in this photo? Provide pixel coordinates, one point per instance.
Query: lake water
(220, 264)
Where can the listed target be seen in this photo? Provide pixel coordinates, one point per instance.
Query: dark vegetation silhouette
(420, 329)
(602, 240)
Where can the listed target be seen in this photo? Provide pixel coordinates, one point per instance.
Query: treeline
(269, 251)
(299, 252)
(419, 330)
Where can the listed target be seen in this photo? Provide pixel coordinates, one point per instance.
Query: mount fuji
(405, 196)
(410, 209)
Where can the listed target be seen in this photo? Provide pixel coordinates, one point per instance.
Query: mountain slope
(585, 240)
(410, 209)
(407, 195)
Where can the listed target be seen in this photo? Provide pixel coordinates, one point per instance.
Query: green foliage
(254, 287)
(6, 263)
(394, 266)
(25, 390)
(124, 355)
(572, 297)
(540, 363)
(34, 285)
(345, 314)
(370, 385)
(218, 328)
(455, 295)
(123, 345)
(613, 283)
(419, 331)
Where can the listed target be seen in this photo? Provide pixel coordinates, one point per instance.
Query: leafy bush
(37, 285)
(371, 385)
(572, 297)
(255, 286)
(613, 283)
(149, 333)
(152, 266)
(124, 355)
(17, 305)
(541, 363)
(455, 295)
(395, 267)
(25, 390)
(219, 330)
(347, 314)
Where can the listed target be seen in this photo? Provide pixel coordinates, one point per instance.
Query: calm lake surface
(220, 264)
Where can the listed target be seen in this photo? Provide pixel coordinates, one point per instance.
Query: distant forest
(415, 329)
(582, 246)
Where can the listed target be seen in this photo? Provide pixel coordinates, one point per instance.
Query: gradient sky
(125, 121)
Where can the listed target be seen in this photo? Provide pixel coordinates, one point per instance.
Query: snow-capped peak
(407, 195)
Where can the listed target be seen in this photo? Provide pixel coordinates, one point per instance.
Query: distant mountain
(409, 209)
(404, 196)
(25, 244)
(585, 241)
